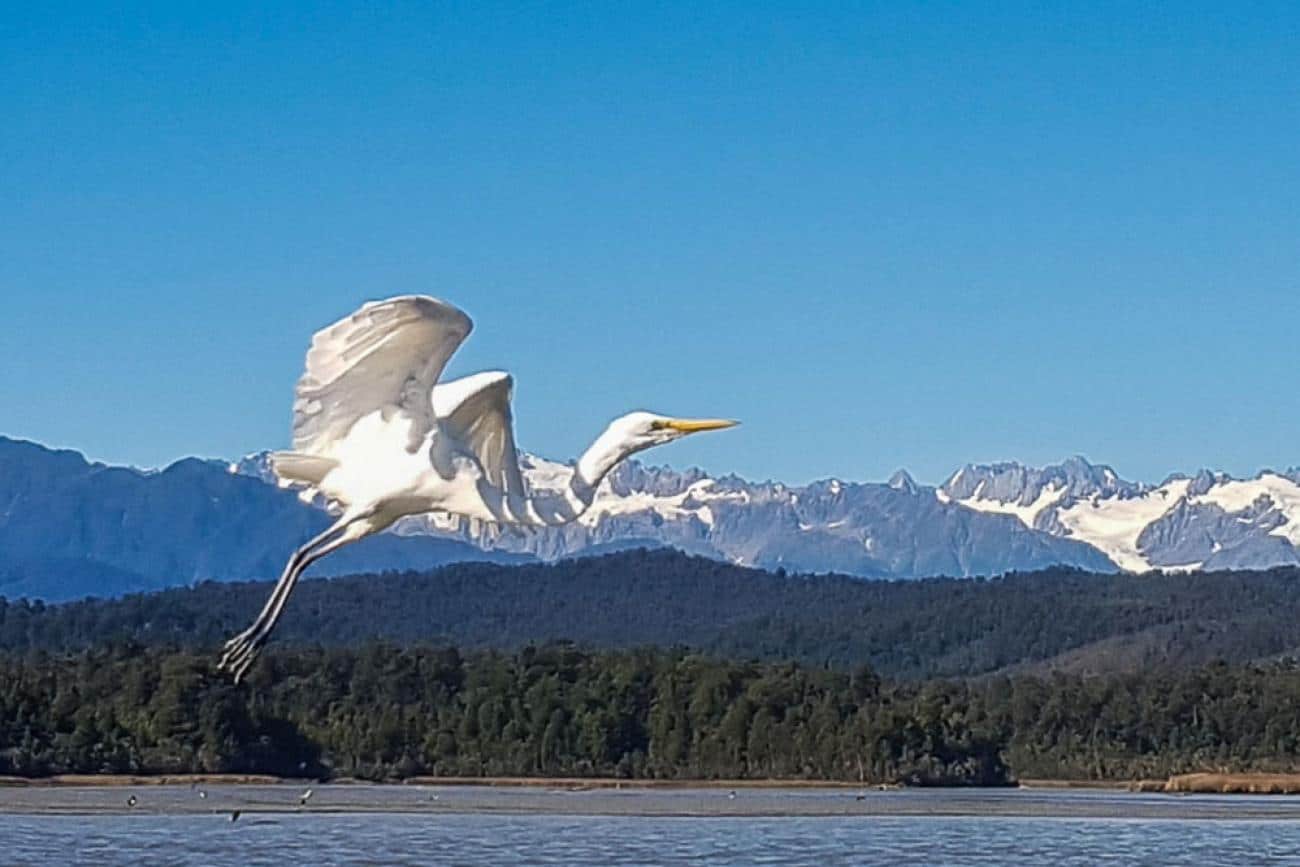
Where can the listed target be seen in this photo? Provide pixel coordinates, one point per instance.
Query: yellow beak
(695, 425)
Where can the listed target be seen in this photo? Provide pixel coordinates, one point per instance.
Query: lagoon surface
(489, 826)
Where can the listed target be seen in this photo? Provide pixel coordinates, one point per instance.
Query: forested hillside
(383, 712)
(682, 668)
(1061, 618)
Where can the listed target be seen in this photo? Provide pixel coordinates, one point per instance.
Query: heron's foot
(242, 650)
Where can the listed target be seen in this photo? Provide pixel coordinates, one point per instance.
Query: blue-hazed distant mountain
(71, 528)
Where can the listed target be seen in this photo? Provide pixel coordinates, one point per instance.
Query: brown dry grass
(1235, 784)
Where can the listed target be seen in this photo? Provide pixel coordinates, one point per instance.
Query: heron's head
(634, 432)
(641, 430)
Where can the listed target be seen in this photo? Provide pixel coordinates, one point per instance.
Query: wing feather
(387, 356)
(476, 411)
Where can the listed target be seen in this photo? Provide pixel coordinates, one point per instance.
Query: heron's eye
(658, 425)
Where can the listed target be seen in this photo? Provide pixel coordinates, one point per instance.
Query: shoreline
(570, 783)
(1198, 783)
(294, 801)
(1277, 785)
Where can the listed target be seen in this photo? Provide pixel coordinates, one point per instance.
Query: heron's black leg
(255, 635)
(242, 650)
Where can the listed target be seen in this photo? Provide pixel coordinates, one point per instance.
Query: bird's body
(379, 437)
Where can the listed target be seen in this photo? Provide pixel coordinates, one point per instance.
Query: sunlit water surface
(491, 838)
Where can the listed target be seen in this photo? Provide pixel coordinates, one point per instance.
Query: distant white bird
(377, 435)
(305, 797)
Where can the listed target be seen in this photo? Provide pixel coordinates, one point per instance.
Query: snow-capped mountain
(897, 529)
(70, 527)
(900, 528)
(985, 519)
(1206, 521)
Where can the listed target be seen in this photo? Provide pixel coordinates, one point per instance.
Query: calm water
(489, 837)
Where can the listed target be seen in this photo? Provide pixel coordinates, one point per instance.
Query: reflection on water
(488, 839)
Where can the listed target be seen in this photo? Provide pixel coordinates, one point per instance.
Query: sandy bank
(569, 783)
(221, 801)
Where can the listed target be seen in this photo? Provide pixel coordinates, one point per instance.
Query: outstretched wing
(386, 356)
(476, 412)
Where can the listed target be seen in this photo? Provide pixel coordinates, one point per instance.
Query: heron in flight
(376, 433)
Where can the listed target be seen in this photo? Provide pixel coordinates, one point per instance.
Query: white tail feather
(300, 468)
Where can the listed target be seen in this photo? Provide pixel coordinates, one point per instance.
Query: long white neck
(552, 508)
(609, 449)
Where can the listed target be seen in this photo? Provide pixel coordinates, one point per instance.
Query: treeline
(1147, 725)
(382, 712)
(1059, 618)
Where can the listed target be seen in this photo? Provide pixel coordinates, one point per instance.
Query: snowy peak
(1031, 494)
(898, 529)
(1208, 520)
(1014, 483)
(1073, 512)
(255, 464)
(902, 480)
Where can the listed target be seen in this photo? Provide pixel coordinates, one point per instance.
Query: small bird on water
(131, 801)
(234, 815)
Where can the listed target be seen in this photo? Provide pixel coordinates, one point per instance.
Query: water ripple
(476, 840)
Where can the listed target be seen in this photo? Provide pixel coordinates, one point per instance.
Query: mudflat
(197, 798)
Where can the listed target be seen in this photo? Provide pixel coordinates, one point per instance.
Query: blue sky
(882, 235)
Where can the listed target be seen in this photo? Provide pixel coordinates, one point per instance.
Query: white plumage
(475, 411)
(385, 358)
(376, 434)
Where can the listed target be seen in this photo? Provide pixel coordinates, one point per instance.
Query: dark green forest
(1058, 619)
(384, 712)
(656, 665)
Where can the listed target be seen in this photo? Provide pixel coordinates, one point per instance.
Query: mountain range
(70, 527)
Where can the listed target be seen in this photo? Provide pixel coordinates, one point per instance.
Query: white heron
(376, 433)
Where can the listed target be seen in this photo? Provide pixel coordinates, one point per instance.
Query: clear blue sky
(882, 234)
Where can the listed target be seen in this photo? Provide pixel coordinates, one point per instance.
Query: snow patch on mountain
(1280, 491)
(1114, 524)
(691, 503)
(1209, 520)
(630, 490)
(986, 518)
(1049, 495)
